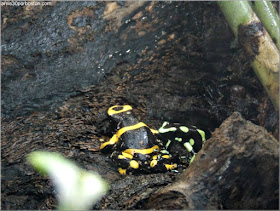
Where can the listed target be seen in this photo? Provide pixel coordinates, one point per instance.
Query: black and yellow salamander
(138, 148)
(191, 138)
(135, 146)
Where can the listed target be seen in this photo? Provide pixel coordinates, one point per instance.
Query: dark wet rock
(238, 168)
(62, 49)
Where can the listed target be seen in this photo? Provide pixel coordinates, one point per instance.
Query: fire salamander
(138, 148)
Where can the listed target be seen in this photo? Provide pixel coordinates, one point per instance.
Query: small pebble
(238, 91)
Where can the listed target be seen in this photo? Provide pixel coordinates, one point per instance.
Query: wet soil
(64, 65)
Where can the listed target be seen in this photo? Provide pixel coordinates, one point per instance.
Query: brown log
(237, 169)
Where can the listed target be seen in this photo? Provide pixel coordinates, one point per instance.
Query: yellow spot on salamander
(122, 171)
(170, 166)
(184, 129)
(155, 157)
(153, 163)
(124, 108)
(179, 139)
(166, 156)
(134, 164)
(121, 157)
(188, 146)
(191, 141)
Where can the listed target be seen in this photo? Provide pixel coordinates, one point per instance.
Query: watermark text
(26, 3)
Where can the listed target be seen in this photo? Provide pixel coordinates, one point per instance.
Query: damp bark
(64, 65)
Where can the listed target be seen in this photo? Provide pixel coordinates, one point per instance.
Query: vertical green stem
(257, 43)
(269, 17)
(236, 13)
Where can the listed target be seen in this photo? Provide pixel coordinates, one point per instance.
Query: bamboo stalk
(254, 38)
(269, 17)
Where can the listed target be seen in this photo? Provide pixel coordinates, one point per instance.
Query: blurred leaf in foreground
(77, 188)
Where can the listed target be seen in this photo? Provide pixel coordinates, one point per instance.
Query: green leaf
(77, 188)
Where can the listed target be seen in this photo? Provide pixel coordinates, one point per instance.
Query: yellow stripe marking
(112, 141)
(126, 155)
(121, 131)
(142, 151)
(132, 127)
(154, 131)
(202, 134)
(112, 111)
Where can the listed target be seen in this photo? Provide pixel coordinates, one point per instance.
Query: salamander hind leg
(162, 163)
(125, 162)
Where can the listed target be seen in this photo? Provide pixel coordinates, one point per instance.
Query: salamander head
(120, 112)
